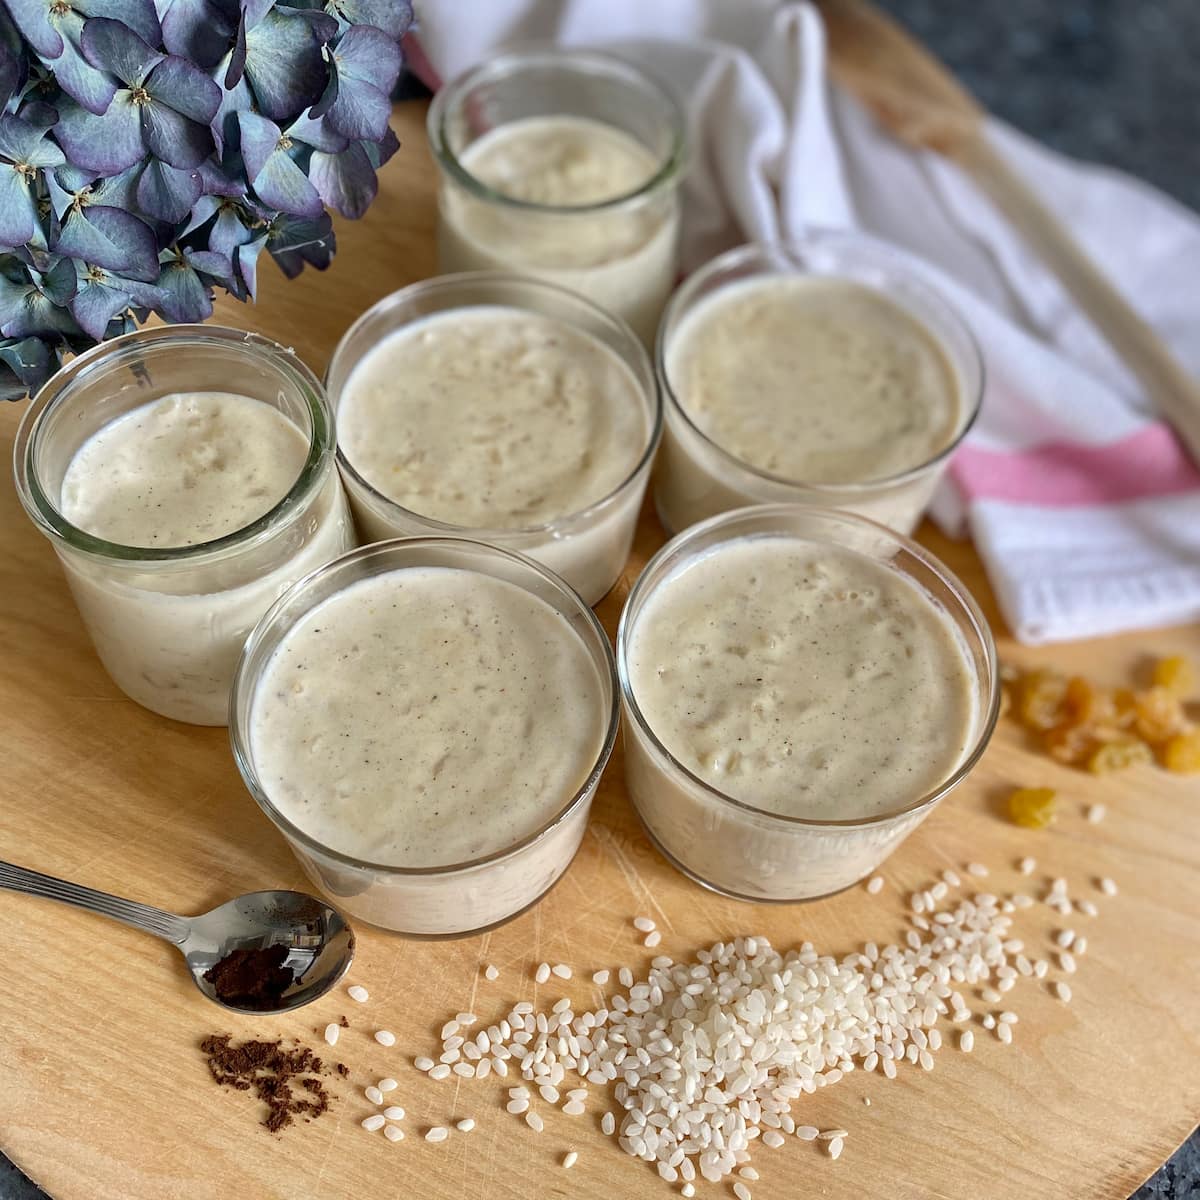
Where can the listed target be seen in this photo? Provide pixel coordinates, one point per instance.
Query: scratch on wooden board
(483, 949)
(637, 885)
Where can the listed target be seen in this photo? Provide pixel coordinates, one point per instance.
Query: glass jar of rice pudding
(426, 721)
(564, 164)
(801, 688)
(503, 409)
(824, 371)
(185, 476)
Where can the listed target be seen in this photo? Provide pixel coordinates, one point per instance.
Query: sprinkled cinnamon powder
(286, 1079)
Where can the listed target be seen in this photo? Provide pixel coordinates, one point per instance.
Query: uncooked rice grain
(600, 978)
(373, 1122)
(608, 1124)
(978, 870)
(966, 1041)
(534, 1122)
(652, 939)
(393, 1133)
(561, 970)
(1063, 991)
(394, 1112)
(741, 1191)
(643, 924)
(465, 1125)
(542, 974)
(1027, 866)
(439, 1133)
(385, 1037)
(332, 1031)
(569, 1159)
(491, 972)
(358, 992)
(373, 1095)
(423, 1063)
(1107, 886)
(835, 1148)
(1096, 813)
(875, 884)
(387, 1085)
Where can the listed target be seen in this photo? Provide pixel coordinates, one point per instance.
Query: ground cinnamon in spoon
(287, 1080)
(253, 979)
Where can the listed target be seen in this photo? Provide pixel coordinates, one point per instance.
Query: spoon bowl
(264, 952)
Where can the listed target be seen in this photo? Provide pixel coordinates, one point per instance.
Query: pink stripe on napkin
(1148, 463)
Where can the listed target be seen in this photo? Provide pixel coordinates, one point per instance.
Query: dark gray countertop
(1116, 81)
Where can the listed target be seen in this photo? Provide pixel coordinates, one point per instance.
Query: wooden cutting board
(103, 1093)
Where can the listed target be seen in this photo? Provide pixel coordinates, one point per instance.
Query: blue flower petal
(285, 187)
(345, 181)
(140, 15)
(259, 140)
(317, 133)
(228, 232)
(112, 239)
(32, 18)
(173, 138)
(95, 305)
(198, 31)
(369, 55)
(247, 257)
(294, 242)
(167, 193)
(29, 362)
(233, 101)
(185, 298)
(186, 88)
(285, 65)
(58, 283)
(392, 16)
(113, 47)
(92, 88)
(106, 144)
(202, 211)
(18, 210)
(23, 142)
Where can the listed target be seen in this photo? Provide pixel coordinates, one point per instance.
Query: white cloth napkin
(1083, 506)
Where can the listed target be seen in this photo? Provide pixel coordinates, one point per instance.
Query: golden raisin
(1032, 808)
(1181, 753)
(1117, 755)
(1159, 715)
(1176, 674)
(1124, 701)
(1040, 699)
(1069, 744)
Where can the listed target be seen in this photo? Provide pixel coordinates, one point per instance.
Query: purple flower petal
(219, 182)
(113, 47)
(198, 31)
(370, 55)
(259, 139)
(185, 298)
(58, 283)
(173, 138)
(18, 211)
(379, 152)
(119, 190)
(186, 88)
(167, 193)
(228, 232)
(247, 257)
(25, 312)
(237, 58)
(392, 16)
(224, 124)
(285, 65)
(32, 18)
(29, 362)
(112, 239)
(95, 305)
(75, 75)
(317, 133)
(345, 181)
(285, 187)
(140, 15)
(106, 144)
(203, 211)
(25, 143)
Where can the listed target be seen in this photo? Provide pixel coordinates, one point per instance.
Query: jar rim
(57, 390)
(886, 256)
(245, 679)
(593, 62)
(968, 607)
(560, 526)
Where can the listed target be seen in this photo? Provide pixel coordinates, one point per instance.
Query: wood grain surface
(103, 1093)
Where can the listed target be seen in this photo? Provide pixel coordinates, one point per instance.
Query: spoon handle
(165, 925)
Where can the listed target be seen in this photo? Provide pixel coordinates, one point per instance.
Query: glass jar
(466, 897)
(696, 478)
(620, 252)
(749, 853)
(168, 622)
(588, 548)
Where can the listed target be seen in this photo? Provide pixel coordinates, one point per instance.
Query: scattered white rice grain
(835, 1148)
(439, 1133)
(748, 1173)
(1107, 886)
(359, 993)
(687, 1190)
(534, 1122)
(385, 1037)
(574, 1108)
(951, 877)
(1027, 865)
(1040, 968)
(394, 1112)
(1087, 908)
(807, 1133)
(373, 1122)
(989, 995)
(387, 1085)
(772, 1138)
(643, 925)
(966, 1041)
(827, 1135)
(652, 939)
(465, 1125)
(978, 870)
(569, 1160)
(422, 1063)
(600, 978)
(1080, 946)
(1008, 1018)
(989, 1021)
(1064, 938)
(466, 1018)
(542, 974)
(491, 972)
(1063, 991)
(466, 1070)
(867, 1101)
(441, 1071)
(875, 885)
(517, 1107)
(1066, 960)
(608, 1124)
(741, 1191)
(625, 977)
(393, 1133)
(1095, 813)
(561, 970)
(1004, 1033)
(332, 1032)
(373, 1095)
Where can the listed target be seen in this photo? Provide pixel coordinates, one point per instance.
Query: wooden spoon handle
(1173, 391)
